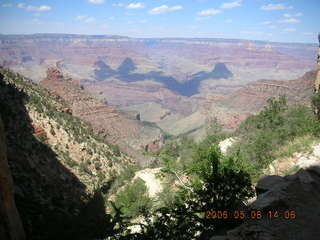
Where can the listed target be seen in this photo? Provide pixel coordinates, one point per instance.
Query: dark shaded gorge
(189, 88)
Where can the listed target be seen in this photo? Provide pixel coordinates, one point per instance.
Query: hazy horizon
(290, 21)
(158, 38)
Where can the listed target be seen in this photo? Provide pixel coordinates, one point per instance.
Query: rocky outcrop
(106, 121)
(54, 74)
(10, 223)
(290, 208)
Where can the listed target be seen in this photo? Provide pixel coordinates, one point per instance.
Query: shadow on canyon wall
(189, 88)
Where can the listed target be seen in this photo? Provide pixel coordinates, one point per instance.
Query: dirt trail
(153, 184)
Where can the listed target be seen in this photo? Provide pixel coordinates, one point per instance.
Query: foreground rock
(10, 223)
(296, 200)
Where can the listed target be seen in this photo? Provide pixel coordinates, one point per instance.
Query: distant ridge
(111, 36)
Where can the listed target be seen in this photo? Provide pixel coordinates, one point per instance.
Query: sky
(268, 20)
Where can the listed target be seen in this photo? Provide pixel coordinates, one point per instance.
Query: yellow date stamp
(250, 214)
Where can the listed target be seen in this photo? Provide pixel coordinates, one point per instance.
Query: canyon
(96, 104)
(176, 85)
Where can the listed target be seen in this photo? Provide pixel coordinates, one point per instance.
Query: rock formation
(106, 121)
(293, 202)
(10, 223)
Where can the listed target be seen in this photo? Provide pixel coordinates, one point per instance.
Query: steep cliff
(57, 162)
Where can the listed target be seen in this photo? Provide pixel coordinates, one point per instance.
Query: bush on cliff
(218, 184)
(261, 135)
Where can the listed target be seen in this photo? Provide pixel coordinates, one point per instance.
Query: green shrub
(133, 200)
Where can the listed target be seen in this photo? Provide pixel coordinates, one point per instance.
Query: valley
(185, 78)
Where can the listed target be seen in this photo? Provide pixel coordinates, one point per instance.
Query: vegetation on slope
(57, 163)
(261, 137)
(218, 183)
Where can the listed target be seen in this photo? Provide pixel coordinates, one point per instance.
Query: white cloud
(41, 8)
(164, 9)
(136, 5)
(210, 11)
(290, 20)
(231, 4)
(308, 33)
(266, 23)
(271, 7)
(37, 21)
(289, 30)
(90, 20)
(5, 5)
(202, 18)
(80, 18)
(21, 5)
(293, 15)
(118, 5)
(228, 21)
(85, 19)
(96, 1)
